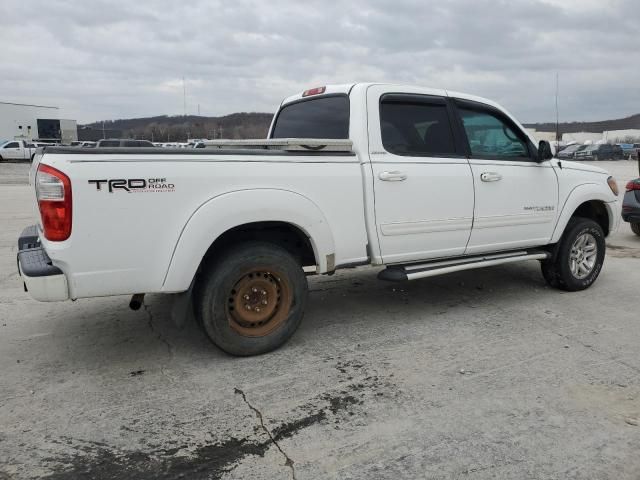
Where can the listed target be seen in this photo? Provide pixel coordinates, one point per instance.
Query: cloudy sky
(105, 59)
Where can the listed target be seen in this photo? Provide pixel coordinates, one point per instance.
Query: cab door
(516, 198)
(423, 189)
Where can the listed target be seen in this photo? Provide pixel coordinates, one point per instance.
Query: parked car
(627, 149)
(631, 205)
(421, 181)
(570, 151)
(125, 142)
(601, 151)
(618, 153)
(17, 150)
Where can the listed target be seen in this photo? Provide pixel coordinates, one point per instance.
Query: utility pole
(198, 109)
(184, 97)
(557, 112)
(103, 134)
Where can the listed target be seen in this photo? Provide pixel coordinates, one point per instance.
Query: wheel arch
(588, 201)
(250, 214)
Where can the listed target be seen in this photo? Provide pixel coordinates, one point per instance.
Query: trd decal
(134, 185)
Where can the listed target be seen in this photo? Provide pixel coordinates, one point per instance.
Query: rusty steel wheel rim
(259, 302)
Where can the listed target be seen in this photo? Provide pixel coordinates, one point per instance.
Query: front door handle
(392, 176)
(490, 177)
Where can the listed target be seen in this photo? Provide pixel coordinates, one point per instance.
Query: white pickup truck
(421, 181)
(17, 150)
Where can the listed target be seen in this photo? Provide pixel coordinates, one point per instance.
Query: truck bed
(152, 239)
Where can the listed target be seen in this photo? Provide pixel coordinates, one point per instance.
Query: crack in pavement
(590, 347)
(288, 461)
(157, 332)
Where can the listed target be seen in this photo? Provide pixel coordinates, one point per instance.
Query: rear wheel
(635, 228)
(579, 257)
(251, 300)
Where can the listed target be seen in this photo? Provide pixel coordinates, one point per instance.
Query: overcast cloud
(102, 59)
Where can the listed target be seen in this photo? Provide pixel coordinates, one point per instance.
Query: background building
(630, 135)
(35, 122)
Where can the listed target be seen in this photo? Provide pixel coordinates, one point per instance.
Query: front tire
(579, 256)
(635, 228)
(251, 299)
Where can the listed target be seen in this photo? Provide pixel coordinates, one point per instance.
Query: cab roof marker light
(314, 91)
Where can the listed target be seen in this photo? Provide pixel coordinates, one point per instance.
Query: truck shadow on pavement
(353, 299)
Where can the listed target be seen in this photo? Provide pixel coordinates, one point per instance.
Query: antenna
(557, 114)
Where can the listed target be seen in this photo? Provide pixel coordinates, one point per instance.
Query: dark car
(570, 151)
(618, 152)
(602, 151)
(125, 142)
(631, 205)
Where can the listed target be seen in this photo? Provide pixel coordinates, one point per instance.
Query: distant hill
(632, 122)
(180, 127)
(256, 125)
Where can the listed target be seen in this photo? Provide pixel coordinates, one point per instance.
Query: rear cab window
(320, 117)
(416, 125)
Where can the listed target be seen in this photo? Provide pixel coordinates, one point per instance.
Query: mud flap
(182, 310)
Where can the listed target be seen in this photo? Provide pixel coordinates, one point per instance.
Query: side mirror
(544, 151)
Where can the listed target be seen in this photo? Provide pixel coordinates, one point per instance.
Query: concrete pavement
(481, 374)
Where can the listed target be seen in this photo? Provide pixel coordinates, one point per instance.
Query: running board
(399, 273)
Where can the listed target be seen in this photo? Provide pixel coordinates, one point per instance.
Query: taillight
(633, 185)
(314, 91)
(53, 191)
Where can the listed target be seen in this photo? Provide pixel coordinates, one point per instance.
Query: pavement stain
(621, 251)
(618, 402)
(212, 461)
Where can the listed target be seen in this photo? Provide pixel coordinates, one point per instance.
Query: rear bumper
(42, 280)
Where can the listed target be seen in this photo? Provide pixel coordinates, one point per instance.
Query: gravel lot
(481, 374)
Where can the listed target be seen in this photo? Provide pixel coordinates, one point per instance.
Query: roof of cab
(346, 88)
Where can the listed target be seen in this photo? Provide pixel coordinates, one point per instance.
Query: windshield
(322, 117)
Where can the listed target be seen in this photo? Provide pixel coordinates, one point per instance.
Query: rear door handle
(392, 176)
(490, 177)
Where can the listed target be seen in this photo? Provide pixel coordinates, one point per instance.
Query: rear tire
(251, 299)
(579, 257)
(635, 228)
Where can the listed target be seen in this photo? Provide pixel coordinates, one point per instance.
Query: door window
(416, 128)
(490, 136)
(11, 145)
